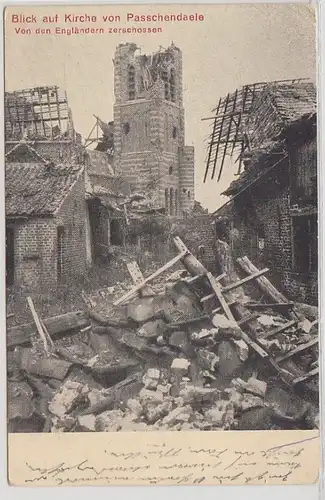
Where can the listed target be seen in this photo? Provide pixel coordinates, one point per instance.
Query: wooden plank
(243, 321)
(190, 321)
(264, 284)
(220, 309)
(280, 329)
(137, 278)
(191, 263)
(239, 283)
(274, 305)
(56, 326)
(298, 350)
(208, 297)
(192, 279)
(46, 339)
(307, 376)
(217, 288)
(157, 273)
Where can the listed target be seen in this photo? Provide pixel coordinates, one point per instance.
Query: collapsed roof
(38, 188)
(38, 113)
(251, 120)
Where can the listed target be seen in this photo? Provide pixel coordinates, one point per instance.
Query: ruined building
(271, 215)
(46, 230)
(149, 146)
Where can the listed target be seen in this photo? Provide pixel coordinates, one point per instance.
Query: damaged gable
(250, 121)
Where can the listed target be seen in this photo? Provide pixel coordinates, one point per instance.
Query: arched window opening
(164, 77)
(176, 202)
(172, 85)
(126, 128)
(170, 170)
(167, 201)
(189, 194)
(174, 132)
(116, 233)
(131, 82)
(171, 201)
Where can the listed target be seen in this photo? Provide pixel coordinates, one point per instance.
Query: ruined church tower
(149, 148)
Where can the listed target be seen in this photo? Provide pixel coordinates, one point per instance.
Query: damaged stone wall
(261, 226)
(154, 238)
(149, 127)
(72, 216)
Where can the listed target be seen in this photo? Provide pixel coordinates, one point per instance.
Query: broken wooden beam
(190, 262)
(301, 348)
(263, 283)
(157, 273)
(208, 297)
(137, 278)
(177, 325)
(56, 326)
(241, 282)
(244, 320)
(230, 303)
(217, 289)
(42, 331)
(275, 305)
(280, 329)
(307, 376)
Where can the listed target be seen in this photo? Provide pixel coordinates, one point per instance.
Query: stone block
(256, 387)
(152, 329)
(86, 423)
(180, 367)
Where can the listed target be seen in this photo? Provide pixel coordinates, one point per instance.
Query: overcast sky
(235, 45)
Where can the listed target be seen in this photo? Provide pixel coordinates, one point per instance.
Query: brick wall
(72, 216)
(35, 244)
(149, 134)
(34, 253)
(264, 214)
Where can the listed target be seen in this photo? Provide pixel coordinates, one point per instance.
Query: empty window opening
(184, 190)
(279, 220)
(174, 132)
(304, 239)
(164, 77)
(131, 82)
(166, 201)
(172, 85)
(170, 170)
(171, 201)
(60, 252)
(10, 256)
(116, 234)
(189, 194)
(176, 202)
(126, 128)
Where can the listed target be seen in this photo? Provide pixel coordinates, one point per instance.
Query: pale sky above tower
(235, 45)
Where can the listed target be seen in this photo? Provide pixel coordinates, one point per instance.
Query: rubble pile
(165, 360)
(173, 403)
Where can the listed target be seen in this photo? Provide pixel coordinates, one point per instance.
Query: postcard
(161, 244)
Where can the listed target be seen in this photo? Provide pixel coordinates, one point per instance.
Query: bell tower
(149, 127)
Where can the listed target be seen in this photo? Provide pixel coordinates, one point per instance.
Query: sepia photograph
(161, 218)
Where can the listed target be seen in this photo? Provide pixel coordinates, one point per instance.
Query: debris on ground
(192, 352)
